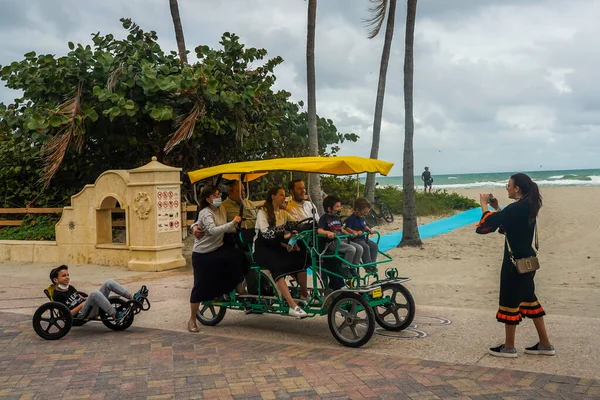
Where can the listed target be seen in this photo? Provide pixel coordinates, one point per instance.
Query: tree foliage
(116, 103)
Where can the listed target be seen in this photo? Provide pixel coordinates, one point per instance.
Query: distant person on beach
(427, 179)
(517, 291)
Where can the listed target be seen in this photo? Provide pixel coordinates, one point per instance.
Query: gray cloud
(499, 84)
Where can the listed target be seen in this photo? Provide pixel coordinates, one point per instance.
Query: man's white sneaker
(297, 312)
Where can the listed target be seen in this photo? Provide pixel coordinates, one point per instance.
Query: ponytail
(530, 192)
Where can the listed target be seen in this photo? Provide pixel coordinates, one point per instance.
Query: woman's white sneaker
(297, 312)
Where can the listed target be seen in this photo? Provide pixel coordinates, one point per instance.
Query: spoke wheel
(387, 213)
(119, 304)
(400, 312)
(52, 321)
(351, 320)
(372, 218)
(210, 314)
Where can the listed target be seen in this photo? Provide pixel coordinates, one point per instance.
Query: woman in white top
(217, 268)
(271, 250)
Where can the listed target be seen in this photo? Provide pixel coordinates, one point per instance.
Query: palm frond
(113, 78)
(378, 12)
(186, 126)
(70, 134)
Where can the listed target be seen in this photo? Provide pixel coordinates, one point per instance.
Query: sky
(500, 85)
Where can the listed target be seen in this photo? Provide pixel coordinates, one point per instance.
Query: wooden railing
(8, 222)
(187, 211)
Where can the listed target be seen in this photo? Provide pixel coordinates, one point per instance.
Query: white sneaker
(297, 312)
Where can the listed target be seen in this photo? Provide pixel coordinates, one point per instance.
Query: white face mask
(216, 202)
(63, 287)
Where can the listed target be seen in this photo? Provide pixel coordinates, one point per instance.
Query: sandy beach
(461, 269)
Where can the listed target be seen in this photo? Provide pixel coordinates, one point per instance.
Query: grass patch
(438, 202)
(34, 227)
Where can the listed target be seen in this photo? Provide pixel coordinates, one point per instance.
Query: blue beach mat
(391, 240)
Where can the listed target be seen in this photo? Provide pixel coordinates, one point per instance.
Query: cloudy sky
(500, 85)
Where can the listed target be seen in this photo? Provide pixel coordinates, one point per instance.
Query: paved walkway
(92, 362)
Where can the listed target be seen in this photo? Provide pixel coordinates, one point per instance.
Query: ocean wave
(571, 177)
(452, 177)
(592, 180)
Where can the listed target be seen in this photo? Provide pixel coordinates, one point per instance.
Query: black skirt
(517, 296)
(279, 261)
(216, 273)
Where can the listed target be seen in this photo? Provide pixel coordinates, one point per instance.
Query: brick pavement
(92, 362)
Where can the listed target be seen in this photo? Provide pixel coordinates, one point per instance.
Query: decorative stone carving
(142, 205)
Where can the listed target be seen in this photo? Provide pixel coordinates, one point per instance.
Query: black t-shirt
(426, 176)
(71, 297)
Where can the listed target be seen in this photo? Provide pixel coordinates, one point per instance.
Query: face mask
(216, 202)
(63, 287)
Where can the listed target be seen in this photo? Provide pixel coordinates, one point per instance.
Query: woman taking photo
(517, 290)
(272, 252)
(217, 268)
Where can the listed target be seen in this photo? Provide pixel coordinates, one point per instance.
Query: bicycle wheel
(372, 218)
(386, 213)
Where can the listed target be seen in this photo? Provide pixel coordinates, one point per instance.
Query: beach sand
(461, 268)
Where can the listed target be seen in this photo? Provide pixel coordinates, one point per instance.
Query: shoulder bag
(527, 264)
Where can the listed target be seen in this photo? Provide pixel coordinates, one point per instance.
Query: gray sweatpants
(98, 300)
(352, 253)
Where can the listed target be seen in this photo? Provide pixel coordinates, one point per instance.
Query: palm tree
(376, 22)
(314, 188)
(410, 230)
(178, 31)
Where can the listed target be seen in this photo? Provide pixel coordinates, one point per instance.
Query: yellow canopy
(247, 177)
(343, 165)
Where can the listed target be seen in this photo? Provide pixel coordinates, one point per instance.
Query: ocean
(576, 177)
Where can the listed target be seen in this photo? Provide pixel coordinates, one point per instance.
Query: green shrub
(34, 227)
(343, 188)
(435, 203)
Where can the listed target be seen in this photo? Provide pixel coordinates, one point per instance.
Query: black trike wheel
(351, 320)
(400, 312)
(210, 314)
(52, 321)
(387, 213)
(118, 303)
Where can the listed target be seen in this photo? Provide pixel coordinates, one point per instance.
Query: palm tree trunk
(385, 58)
(314, 188)
(410, 230)
(178, 31)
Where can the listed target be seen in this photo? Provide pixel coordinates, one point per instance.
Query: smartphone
(490, 198)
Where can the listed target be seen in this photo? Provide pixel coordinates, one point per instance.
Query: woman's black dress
(218, 268)
(268, 250)
(517, 291)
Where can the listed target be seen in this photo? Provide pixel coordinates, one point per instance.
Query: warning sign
(167, 208)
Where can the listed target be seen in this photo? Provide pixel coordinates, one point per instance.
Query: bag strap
(536, 243)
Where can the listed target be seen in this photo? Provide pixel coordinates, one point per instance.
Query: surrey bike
(362, 301)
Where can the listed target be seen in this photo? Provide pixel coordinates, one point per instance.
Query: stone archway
(108, 222)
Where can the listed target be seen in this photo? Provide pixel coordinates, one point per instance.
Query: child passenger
(357, 225)
(330, 224)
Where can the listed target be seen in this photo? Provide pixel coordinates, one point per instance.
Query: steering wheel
(305, 220)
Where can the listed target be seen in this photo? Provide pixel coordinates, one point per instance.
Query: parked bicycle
(379, 210)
